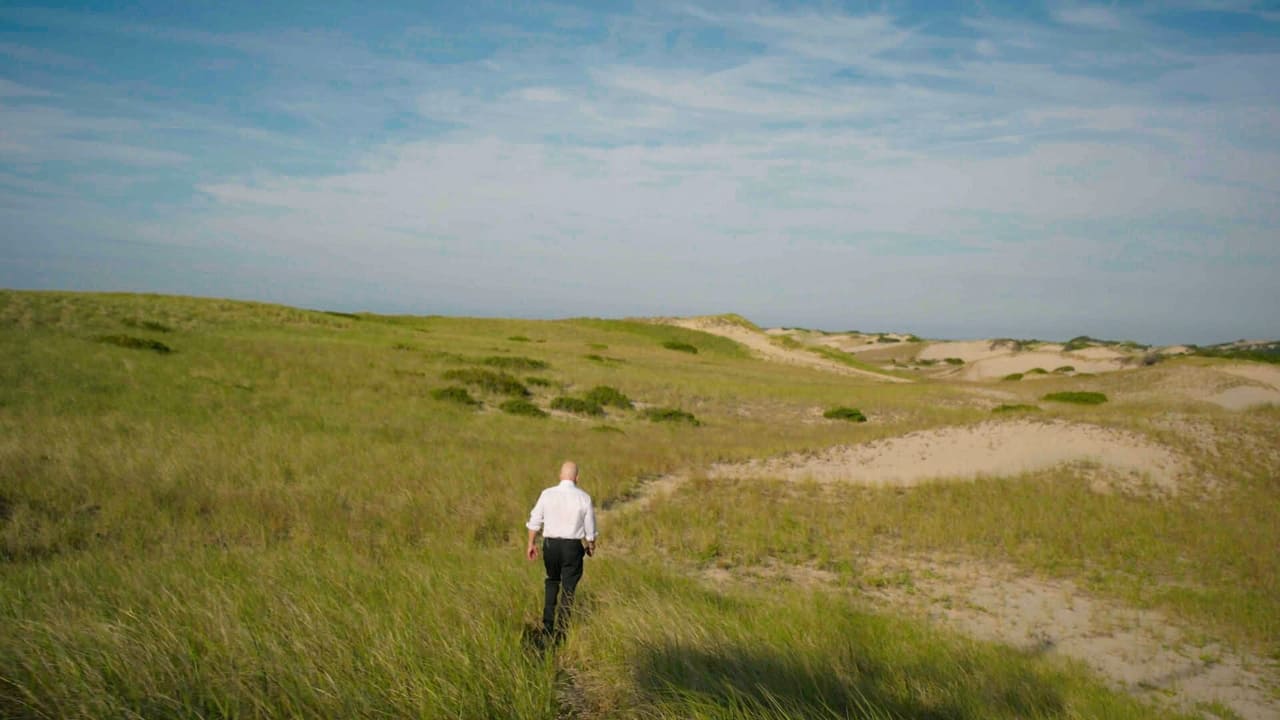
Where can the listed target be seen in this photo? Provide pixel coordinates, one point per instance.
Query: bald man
(567, 520)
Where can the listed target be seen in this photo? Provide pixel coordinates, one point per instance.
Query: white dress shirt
(564, 511)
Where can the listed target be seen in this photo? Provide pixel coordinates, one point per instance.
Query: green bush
(522, 407)
(887, 339)
(576, 405)
(1065, 369)
(607, 429)
(680, 347)
(402, 346)
(610, 396)
(953, 361)
(456, 394)
(136, 343)
(914, 339)
(603, 359)
(489, 381)
(537, 381)
(1079, 343)
(670, 415)
(1037, 371)
(151, 325)
(845, 413)
(519, 338)
(1012, 377)
(1080, 398)
(1015, 408)
(515, 363)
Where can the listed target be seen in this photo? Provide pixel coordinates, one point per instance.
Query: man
(566, 518)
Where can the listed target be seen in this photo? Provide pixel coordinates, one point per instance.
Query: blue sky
(954, 170)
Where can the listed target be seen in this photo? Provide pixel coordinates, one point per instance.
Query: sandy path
(989, 449)
(1139, 651)
(760, 344)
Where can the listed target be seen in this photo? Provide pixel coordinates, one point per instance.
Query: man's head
(569, 471)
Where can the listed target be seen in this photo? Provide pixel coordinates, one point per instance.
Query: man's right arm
(534, 525)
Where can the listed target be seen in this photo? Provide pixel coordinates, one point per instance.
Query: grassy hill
(223, 509)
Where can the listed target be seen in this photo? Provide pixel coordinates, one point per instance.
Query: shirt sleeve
(589, 523)
(535, 517)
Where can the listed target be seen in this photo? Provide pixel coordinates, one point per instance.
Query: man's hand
(531, 552)
(591, 548)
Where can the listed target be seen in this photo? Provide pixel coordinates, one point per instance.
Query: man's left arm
(589, 524)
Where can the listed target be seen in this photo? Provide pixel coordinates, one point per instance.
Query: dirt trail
(760, 344)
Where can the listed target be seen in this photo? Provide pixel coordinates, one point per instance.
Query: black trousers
(563, 559)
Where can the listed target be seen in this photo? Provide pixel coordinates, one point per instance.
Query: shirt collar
(568, 482)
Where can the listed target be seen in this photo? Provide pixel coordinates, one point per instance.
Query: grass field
(280, 516)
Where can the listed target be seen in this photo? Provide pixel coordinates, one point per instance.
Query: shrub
(519, 338)
(489, 381)
(136, 343)
(1065, 369)
(680, 347)
(607, 429)
(455, 394)
(576, 405)
(515, 363)
(522, 407)
(610, 396)
(537, 381)
(953, 361)
(887, 339)
(845, 413)
(151, 325)
(670, 415)
(1037, 371)
(927, 363)
(1012, 376)
(914, 338)
(1080, 398)
(402, 346)
(1015, 408)
(603, 359)
(1078, 343)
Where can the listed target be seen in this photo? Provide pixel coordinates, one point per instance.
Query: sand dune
(988, 449)
(760, 344)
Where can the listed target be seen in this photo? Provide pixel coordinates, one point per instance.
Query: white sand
(988, 449)
(985, 362)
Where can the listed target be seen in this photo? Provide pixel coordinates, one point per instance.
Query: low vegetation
(518, 406)
(515, 362)
(953, 361)
(1065, 369)
(135, 343)
(672, 415)
(1015, 408)
(1037, 371)
(1012, 377)
(1077, 397)
(578, 406)
(455, 394)
(610, 397)
(845, 413)
(680, 347)
(536, 381)
(519, 338)
(498, 383)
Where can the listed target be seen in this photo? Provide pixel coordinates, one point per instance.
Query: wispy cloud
(908, 165)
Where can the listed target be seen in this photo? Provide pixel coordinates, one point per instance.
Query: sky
(970, 169)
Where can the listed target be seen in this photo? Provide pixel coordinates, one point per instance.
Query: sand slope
(989, 360)
(988, 449)
(760, 344)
